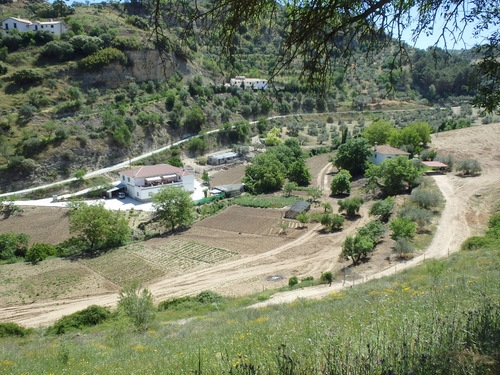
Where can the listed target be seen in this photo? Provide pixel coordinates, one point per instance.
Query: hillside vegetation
(101, 92)
(441, 317)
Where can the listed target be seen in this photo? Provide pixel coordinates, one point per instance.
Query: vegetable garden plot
(121, 267)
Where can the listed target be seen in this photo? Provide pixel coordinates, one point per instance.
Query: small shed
(297, 208)
(231, 190)
(436, 165)
(221, 158)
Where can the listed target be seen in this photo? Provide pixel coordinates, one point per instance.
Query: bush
(206, 297)
(39, 252)
(137, 305)
(383, 208)
(426, 198)
(91, 316)
(13, 245)
(350, 205)
(294, 280)
(475, 243)
(402, 228)
(58, 49)
(403, 247)
(326, 278)
(102, 58)
(13, 329)
(332, 221)
(341, 183)
(419, 215)
(373, 230)
(469, 167)
(27, 77)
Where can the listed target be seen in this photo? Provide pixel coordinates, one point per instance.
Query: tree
(393, 175)
(98, 227)
(205, 178)
(373, 230)
(341, 183)
(332, 221)
(299, 173)
(303, 218)
(350, 205)
(289, 188)
(469, 167)
(356, 248)
(173, 207)
(379, 131)
(426, 198)
(382, 208)
(319, 34)
(352, 155)
(265, 174)
(402, 228)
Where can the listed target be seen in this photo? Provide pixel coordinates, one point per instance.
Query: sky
(423, 42)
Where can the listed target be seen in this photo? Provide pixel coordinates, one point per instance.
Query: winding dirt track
(314, 252)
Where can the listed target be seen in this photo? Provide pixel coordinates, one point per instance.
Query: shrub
(373, 230)
(294, 280)
(332, 221)
(403, 247)
(27, 77)
(326, 278)
(88, 317)
(341, 183)
(58, 49)
(39, 252)
(382, 208)
(206, 297)
(350, 205)
(137, 305)
(426, 198)
(419, 215)
(13, 245)
(469, 167)
(475, 243)
(102, 58)
(402, 227)
(3, 69)
(13, 329)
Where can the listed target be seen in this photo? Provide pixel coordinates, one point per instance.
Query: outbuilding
(297, 208)
(222, 158)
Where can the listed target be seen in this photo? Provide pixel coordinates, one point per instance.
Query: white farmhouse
(16, 23)
(384, 152)
(142, 183)
(252, 83)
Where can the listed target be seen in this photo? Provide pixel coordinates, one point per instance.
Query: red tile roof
(389, 150)
(434, 164)
(155, 170)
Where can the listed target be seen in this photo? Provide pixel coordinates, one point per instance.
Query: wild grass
(438, 319)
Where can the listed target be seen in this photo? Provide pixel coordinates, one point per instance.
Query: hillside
(102, 93)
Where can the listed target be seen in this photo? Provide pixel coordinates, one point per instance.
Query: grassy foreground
(442, 317)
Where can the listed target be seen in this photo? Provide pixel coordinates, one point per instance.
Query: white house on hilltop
(252, 83)
(142, 183)
(16, 23)
(384, 152)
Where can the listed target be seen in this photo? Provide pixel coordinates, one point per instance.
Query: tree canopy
(173, 207)
(353, 155)
(98, 227)
(318, 34)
